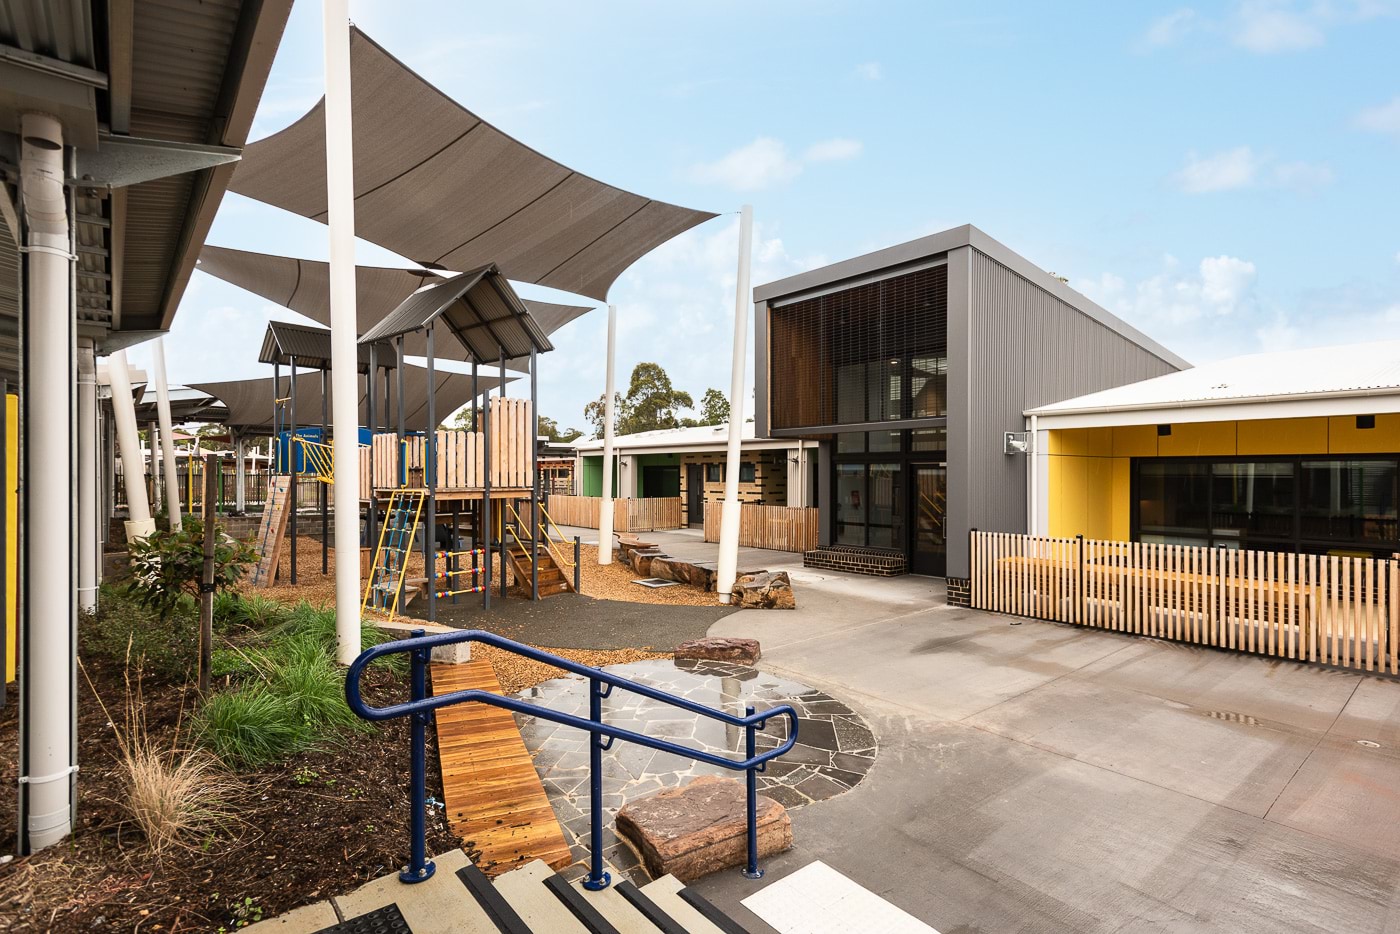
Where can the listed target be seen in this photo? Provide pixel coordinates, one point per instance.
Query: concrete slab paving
(1046, 778)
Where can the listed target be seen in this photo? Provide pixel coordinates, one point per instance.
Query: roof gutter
(1050, 413)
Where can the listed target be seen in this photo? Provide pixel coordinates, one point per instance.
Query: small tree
(714, 408)
(168, 565)
(594, 412)
(549, 428)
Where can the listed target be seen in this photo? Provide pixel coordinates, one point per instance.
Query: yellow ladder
(386, 575)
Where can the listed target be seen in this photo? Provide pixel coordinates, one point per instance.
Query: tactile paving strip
(386, 920)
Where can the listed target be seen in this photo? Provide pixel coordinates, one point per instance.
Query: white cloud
(1222, 171)
(1219, 287)
(869, 71)
(1267, 26)
(1169, 29)
(766, 162)
(761, 164)
(1383, 118)
(1242, 167)
(833, 150)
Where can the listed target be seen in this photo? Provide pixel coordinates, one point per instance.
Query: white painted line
(819, 900)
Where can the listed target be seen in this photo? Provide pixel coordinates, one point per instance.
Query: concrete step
(441, 905)
(536, 905)
(665, 893)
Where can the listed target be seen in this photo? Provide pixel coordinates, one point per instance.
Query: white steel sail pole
(167, 436)
(139, 523)
(729, 513)
(345, 400)
(605, 508)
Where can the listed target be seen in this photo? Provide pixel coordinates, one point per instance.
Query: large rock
(720, 649)
(700, 828)
(764, 591)
(668, 569)
(641, 560)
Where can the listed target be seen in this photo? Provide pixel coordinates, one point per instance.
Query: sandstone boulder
(641, 560)
(720, 649)
(668, 569)
(700, 828)
(764, 591)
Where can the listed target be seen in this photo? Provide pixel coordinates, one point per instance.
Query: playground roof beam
(480, 309)
(302, 345)
(303, 286)
(436, 183)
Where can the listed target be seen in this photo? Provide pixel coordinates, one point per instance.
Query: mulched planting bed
(322, 823)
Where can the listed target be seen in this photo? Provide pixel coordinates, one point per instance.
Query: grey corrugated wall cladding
(1026, 348)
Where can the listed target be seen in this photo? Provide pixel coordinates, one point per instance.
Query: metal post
(138, 508)
(430, 479)
(371, 514)
(486, 492)
(752, 871)
(89, 541)
(598, 878)
(399, 375)
(167, 434)
(321, 490)
(419, 868)
(340, 220)
(605, 505)
(534, 478)
(578, 550)
(728, 565)
(206, 588)
(153, 438)
(292, 452)
(240, 476)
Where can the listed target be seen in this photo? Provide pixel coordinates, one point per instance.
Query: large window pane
(1254, 500)
(850, 504)
(1348, 500)
(884, 440)
(850, 393)
(850, 442)
(928, 387)
(886, 516)
(1173, 497)
(885, 380)
(928, 439)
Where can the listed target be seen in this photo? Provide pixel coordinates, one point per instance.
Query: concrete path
(1045, 778)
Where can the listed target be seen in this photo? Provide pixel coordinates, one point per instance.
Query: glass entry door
(928, 553)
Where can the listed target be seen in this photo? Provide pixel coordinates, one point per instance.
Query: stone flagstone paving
(834, 751)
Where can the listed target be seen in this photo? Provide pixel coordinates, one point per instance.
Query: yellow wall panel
(1135, 441)
(1345, 438)
(1200, 439)
(1120, 527)
(1282, 436)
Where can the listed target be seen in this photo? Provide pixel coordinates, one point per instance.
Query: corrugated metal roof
(693, 436)
(310, 347)
(1349, 369)
(479, 308)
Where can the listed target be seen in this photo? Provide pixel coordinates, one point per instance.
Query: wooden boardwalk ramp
(494, 798)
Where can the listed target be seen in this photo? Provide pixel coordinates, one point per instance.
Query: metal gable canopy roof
(310, 347)
(436, 183)
(480, 309)
(303, 285)
(249, 401)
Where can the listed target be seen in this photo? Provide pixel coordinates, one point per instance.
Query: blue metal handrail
(421, 706)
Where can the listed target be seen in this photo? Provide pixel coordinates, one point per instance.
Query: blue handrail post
(752, 871)
(597, 879)
(419, 868)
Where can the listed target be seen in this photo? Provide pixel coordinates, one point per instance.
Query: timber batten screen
(875, 352)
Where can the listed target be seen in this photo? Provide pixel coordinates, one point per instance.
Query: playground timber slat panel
(271, 530)
(495, 801)
(460, 459)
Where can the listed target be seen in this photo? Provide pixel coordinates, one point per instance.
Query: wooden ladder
(271, 530)
(386, 575)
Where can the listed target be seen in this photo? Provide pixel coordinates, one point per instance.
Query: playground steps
(532, 899)
(271, 531)
(553, 580)
(493, 795)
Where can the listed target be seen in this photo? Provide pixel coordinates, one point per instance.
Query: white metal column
(345, 397)
(139, 523)
(89, 542)
(240, 476)
(605, 507)
(48, 759)
(729, 513)
(167, 436)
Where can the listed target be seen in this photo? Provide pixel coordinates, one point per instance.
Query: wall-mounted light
(1016, 442)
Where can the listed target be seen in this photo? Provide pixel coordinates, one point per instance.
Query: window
(1348, 500)
(714, 473)
(746, 472)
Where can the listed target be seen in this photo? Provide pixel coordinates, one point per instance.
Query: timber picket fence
(780, 528)
(1331, 609)
(651, 514)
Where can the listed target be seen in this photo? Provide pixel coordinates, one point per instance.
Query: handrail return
(420, 707)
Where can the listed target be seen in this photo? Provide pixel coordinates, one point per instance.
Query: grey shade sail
(439, 185)
(310, 347)
(249, 401)
(303, 285)
(478, 308)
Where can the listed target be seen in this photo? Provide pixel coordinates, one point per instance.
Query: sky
(1223, 176)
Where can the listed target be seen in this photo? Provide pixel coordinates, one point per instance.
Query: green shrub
(169, 565)
(252, 726)
(314, 687)
(229, 662)
(313, 625)
(258, 612)
(124, 627)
